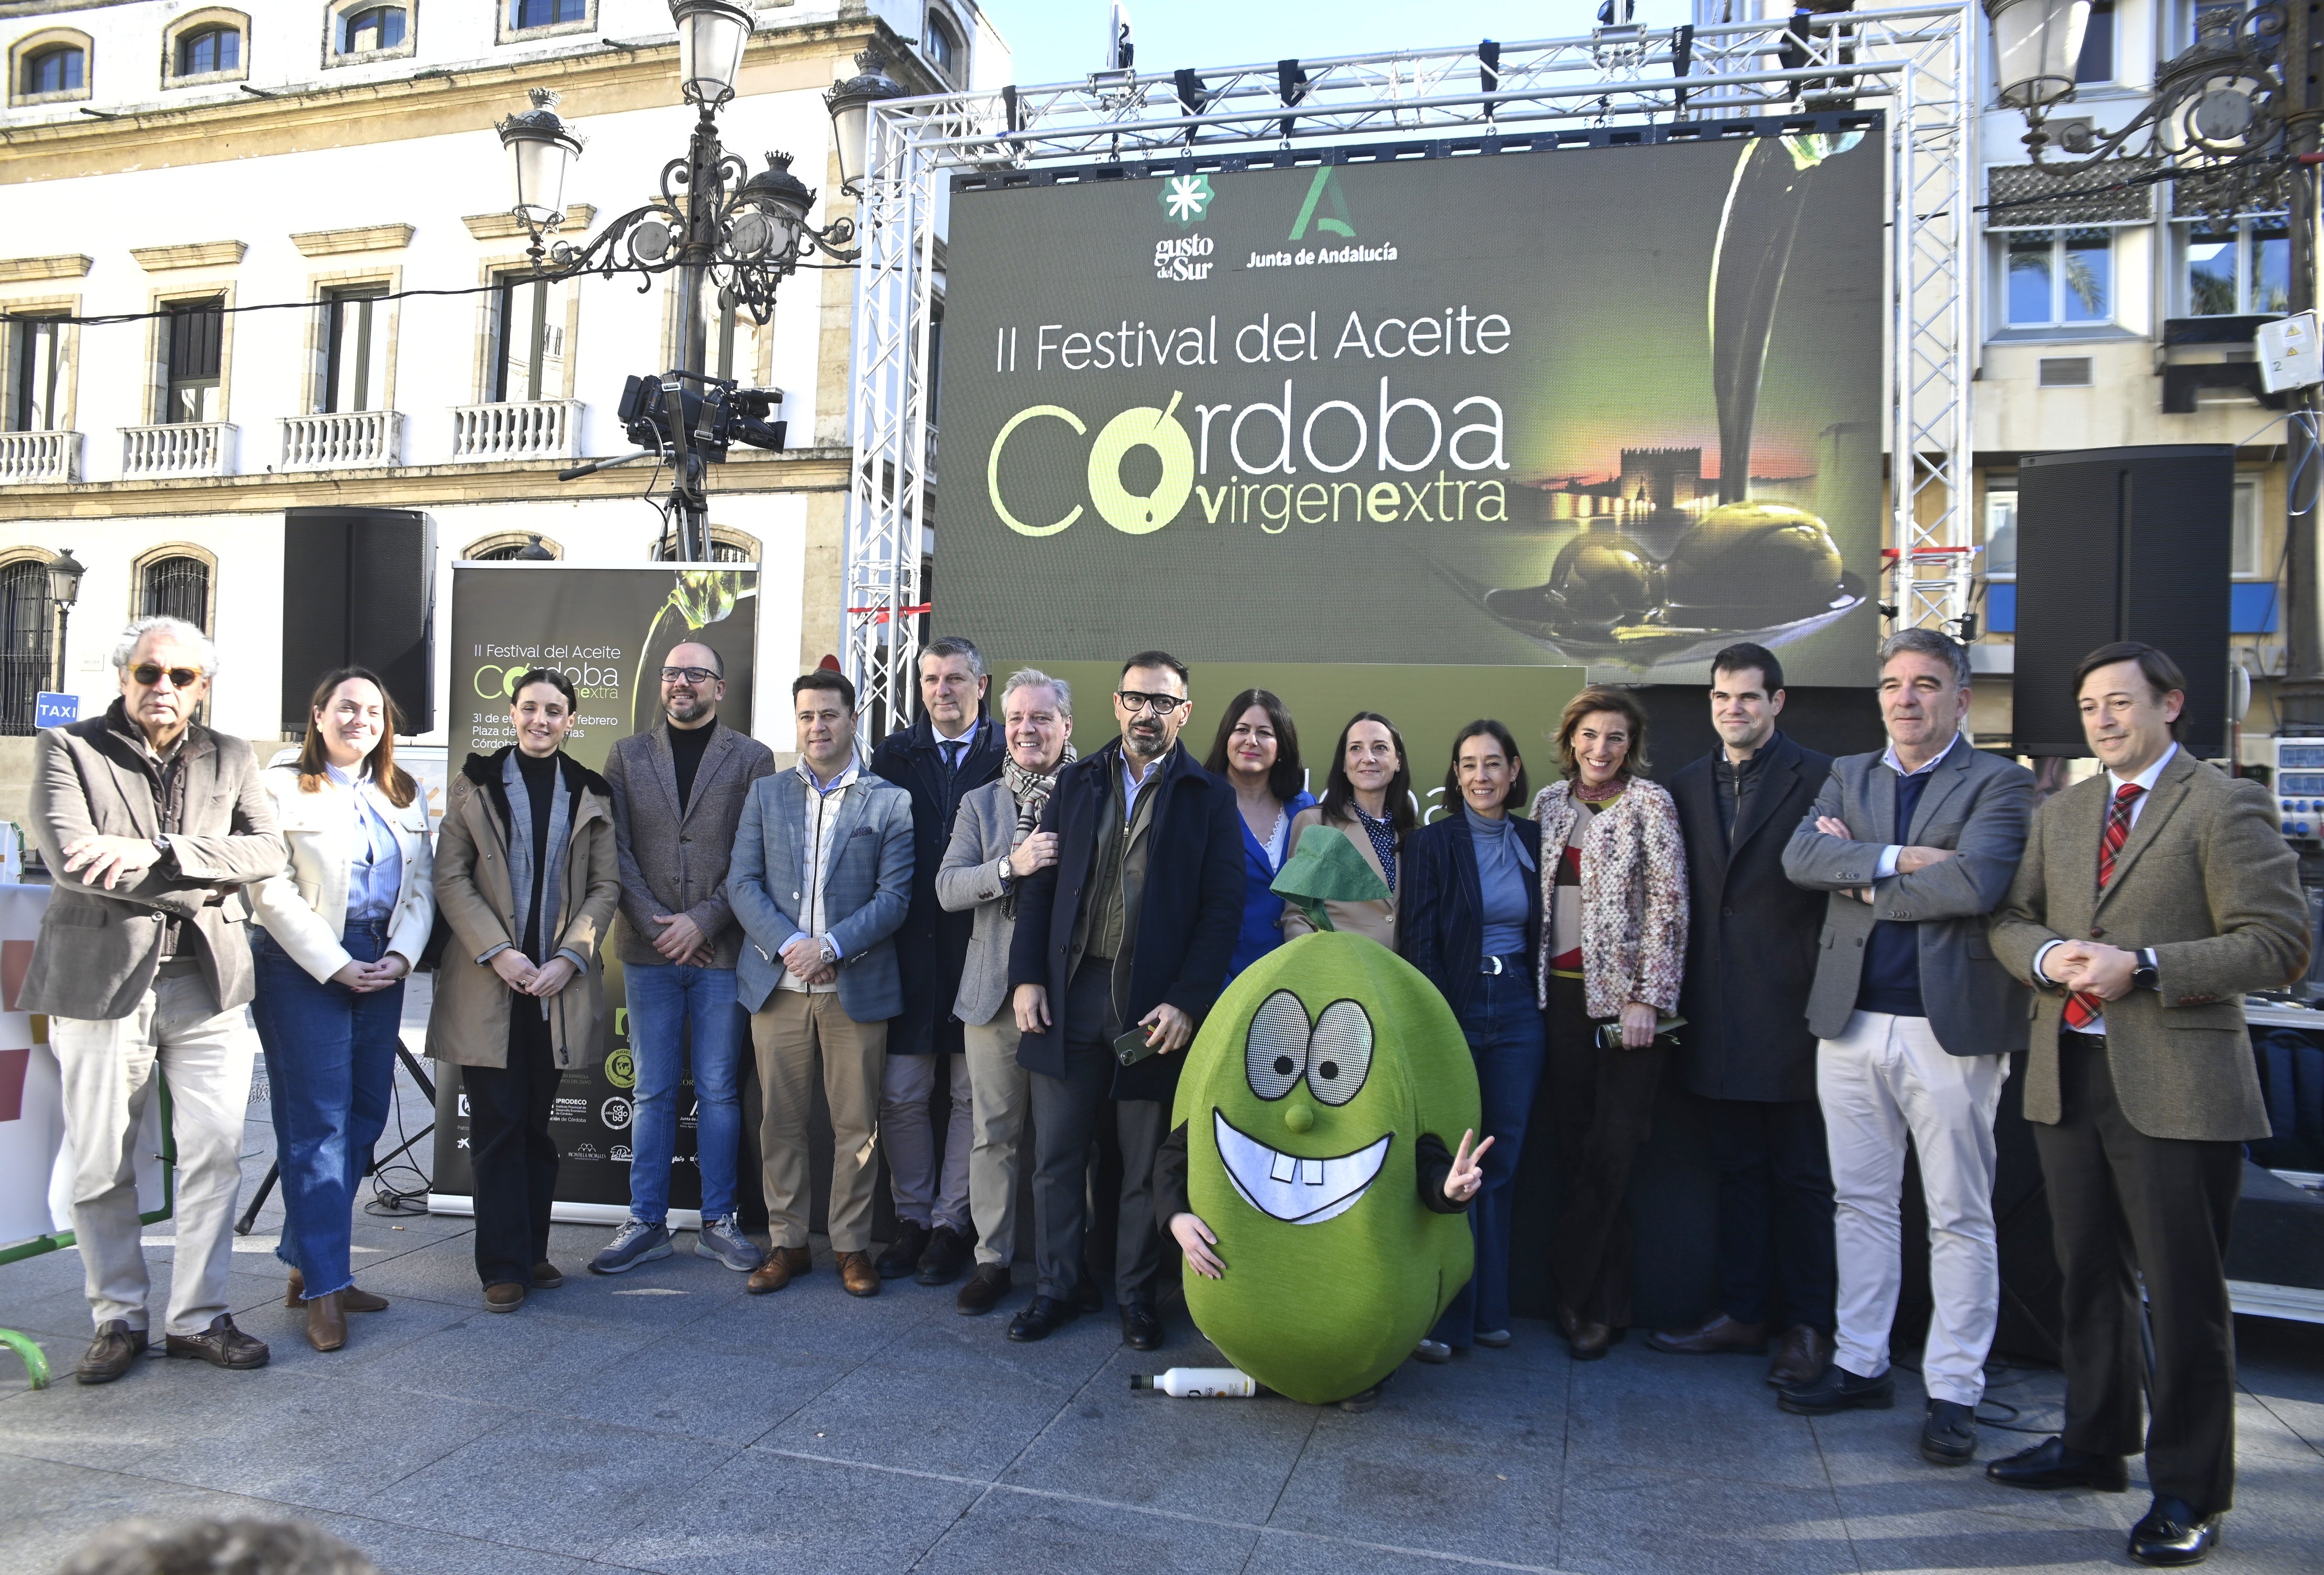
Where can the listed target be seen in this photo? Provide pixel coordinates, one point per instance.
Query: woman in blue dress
(1256, 751)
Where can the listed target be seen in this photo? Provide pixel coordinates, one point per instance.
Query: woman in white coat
(342, 927)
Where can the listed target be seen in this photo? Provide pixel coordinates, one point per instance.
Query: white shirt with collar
(1133, 783)
(823, 805)
(2145, 781)
(965, 743)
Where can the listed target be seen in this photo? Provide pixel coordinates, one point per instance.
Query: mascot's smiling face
(1304, 1096)
(1329, 1060)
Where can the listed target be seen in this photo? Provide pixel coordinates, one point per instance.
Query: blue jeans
(1504, 1030)
(330, 1063)
(664, 999)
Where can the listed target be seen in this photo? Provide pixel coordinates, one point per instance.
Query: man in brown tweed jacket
(2150, 899)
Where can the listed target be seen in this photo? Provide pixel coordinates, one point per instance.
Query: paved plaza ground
(666, 1422)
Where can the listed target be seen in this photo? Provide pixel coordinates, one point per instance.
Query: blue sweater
(1891, 953)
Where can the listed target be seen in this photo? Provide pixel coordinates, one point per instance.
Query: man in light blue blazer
(1917, 845)
(821, 879)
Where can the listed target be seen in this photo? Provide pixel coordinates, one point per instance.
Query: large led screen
(1612, 407)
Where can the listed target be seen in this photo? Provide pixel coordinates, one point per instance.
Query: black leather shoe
(1141, 1330)
(1949, 1436)
(1042, 1316)
(1838, 1390)
(903, 1255)
(944, 1256)
(2174, 1534)
(221, 1345)
(2050, 1464)
(983, 1291)
(114, 1351)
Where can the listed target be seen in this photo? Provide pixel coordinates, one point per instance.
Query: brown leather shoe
(221, 1345)
(1802, 1357)
(114, 1351)
(778, 1269)
(505, 1297)
(547, 1276)
(354, 1298)
(1589, 1341)
(326, 1321)
(1721, 1336)
(858, 1273)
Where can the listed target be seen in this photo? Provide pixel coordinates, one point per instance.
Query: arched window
(512, 547)
(175, 587)
(373, 27)
(726, 546)
(206, 49)
(27, 653)
(63, 69)
(943, 46)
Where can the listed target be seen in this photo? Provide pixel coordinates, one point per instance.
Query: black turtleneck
(539, 784)
(686, 747)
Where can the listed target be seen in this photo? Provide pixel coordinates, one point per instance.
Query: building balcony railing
(177, 448)
(33, 456)
(342, 440)
(538, 428)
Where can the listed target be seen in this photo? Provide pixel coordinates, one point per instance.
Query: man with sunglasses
(151, 826)
(678, 792)
(1121, 946)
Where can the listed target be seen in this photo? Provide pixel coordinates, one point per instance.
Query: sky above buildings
(1056, 39)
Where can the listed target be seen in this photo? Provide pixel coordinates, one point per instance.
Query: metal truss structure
(1913, 63)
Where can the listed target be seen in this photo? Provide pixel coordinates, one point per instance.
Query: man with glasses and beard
(1119, 949)
(152, 825)
(679, 790)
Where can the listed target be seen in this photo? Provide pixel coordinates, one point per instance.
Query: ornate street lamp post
(716, 224)
(64, 589)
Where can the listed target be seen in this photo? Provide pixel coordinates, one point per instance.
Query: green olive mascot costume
(1317, 1107)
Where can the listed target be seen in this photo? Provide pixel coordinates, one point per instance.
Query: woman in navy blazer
(1256, 751)
(1469, 916)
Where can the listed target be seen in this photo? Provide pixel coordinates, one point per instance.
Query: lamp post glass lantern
(64, 578)
(541, 147)
(851, 104)
(711, 34)
(2037, 44)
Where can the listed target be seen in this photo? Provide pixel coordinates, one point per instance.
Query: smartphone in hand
(1129, 1046)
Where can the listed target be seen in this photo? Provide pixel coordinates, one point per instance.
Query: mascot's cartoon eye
(1340, 1052)
(1275, 1052)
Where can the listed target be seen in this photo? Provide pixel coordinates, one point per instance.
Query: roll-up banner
(607, 630)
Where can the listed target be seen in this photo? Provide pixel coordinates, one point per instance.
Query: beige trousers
(999, 1095)
(791, 1034)
(204, 1056)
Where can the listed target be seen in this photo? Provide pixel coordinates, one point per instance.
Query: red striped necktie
(2084, 1009)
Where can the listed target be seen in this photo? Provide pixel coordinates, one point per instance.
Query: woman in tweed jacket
(1613, 944)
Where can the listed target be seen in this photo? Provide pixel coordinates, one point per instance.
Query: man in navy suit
(1132, 925)
(1750, 962)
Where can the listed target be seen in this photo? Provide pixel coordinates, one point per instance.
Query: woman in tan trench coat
(520, 991)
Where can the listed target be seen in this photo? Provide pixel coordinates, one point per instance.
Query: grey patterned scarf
(520, 854)
(1032, 790)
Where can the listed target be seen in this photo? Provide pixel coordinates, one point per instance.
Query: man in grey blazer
(994, 845)
(2150, 899)
(1917, 845)
(821, 879)
(151, 826)
(678, 789)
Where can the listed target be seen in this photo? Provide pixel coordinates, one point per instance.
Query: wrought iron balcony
(35, 457)
(342, 440)
(538, 429)
(177, 448)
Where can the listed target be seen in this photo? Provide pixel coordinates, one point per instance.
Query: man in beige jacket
(2150, 899)
(151, 825)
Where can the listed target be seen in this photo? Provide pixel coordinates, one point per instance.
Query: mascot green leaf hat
(1305, 1099)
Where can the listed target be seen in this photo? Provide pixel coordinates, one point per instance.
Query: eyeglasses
(690, 674)
(1161, 704)
(150, 673)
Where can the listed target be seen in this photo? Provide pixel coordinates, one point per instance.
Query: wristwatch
(2147, 976)
(829, 953)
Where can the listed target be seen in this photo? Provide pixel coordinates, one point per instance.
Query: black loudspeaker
(359, 589)
(1833, 719)
(2121, 544)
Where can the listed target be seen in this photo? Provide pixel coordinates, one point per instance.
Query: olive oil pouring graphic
(1743, 570)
